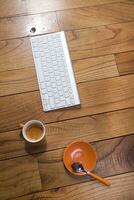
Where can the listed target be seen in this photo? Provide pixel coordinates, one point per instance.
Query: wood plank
(96, 97)
(95, 68)
(15, 27)
(15, 54)
(24, 80)
(96, 15)
(83, 43)
(92, 42)
(58, 135)
(122, 188)
(125, 62)
(43, 6)
(18, 81)
(7, 8)
(19, 7)
(115, 156)
(19, 177)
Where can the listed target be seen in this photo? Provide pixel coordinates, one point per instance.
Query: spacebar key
(39, 70)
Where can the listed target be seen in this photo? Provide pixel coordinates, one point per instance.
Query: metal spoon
(78, 167)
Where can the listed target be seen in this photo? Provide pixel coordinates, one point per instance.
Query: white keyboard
(54, 71)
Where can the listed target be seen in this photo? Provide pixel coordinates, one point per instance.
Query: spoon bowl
(78, 167)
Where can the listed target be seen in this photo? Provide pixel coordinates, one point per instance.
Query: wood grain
(19, 56)
(18, 81)
(18, 7)
(43, 6)
(15, 27)
(24, 80)
(99, 33)
(96, 15)
(95, 68)
(83, 43)
(60, 134)
(92, 42)
(125, 62)
(7, 8)
(122, 188)
(115, 156)
(96, 97)
(19, 177)
(20, 26)
(18, 52)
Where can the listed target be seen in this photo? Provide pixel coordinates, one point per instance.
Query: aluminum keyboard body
(54, 71)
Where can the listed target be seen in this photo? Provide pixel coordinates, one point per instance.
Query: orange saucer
(82, 152)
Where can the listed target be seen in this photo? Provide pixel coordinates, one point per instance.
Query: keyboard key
(42, 85)
(62, 98)
(47, 107)
(55, 90)
(52, 103)
(65, 89)
(40, 72)
(68, 101)
(44, 91)
(51, 75)
(66, 95)
(46, 96)
(62, 103)
(57, 101)
(60, 87)
(59, 83)
(61, 93)
(54, 62)
(57, 78)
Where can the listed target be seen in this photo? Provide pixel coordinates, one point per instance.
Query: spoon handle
(102, 180)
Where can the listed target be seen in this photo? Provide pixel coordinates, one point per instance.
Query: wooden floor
(100, 36)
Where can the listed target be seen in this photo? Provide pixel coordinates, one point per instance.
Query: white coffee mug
(27, 125)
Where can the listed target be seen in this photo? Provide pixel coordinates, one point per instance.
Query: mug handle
(21, 125)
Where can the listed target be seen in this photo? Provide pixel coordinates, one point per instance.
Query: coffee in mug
(33, 131)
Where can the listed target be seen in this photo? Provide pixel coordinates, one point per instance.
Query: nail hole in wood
(33, 30)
